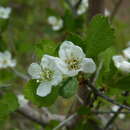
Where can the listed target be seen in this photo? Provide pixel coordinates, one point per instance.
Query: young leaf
(99, 36)
(30, 93)
(69, 88)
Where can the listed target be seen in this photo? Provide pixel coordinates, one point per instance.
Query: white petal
(44, 89)
(88, 65)
(52, 20)
(126, 52)
(34, 70)
(115, 108)
(68, 50)
(7, 55)
(121, 116)
(48, 62)
(118, 59)
(125, 67)
(64, 68)
(107, 12)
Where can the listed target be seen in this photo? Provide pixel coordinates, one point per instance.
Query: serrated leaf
(8, 104)
(30, 93)
(69, 88)
(99, 36)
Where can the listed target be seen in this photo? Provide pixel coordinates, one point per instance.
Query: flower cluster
(56, 23)
(6, 60)
(122, 61)
(51, 70)
(5, 12)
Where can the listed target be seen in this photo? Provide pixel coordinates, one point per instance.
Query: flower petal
(88, 65)
(126, 52)
(34, 70)
(118, 59)
(44, 89)
(68, 50)
(125, 67)
(48, 62)
(62, 66)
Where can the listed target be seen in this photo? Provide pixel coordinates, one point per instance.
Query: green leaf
(123, 83)
(108, 69)
(46, 47)
(30, 93)
(8, 104)
(69, 88)
(99, 36)
(83, 110)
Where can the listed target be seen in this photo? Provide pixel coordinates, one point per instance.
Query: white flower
(115, 108)
(47, 73)
(126, 52)
(107, 12)
(22, 101)
(72, 60)
(6, 60)
(121, 63)
(56, 23)
(5, 12)
(121, 116)
(73, 2)
(82, 7)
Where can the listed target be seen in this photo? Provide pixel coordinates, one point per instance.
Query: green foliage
(8, 104)
(71, 23)
(30, 93)
(84, 110)
(46, 47)
(99, 36)
(107, 67)
(123, 83)
(69, 88)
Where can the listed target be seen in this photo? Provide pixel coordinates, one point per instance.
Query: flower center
(47, 74)
(73, 64)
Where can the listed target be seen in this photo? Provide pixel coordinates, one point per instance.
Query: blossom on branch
(72, 60)
(5, 12)
(6, 60)
(47, 73)
(56, 23)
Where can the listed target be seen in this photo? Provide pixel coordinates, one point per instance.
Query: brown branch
(112, 119)
(115, 9)
(100, 94)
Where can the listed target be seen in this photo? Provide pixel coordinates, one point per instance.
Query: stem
(112, 119)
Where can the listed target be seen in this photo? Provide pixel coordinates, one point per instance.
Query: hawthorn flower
(47, 73)
(82, 7)
(6, 60)
(5, 12)
(107, 12)
(56, 23)
(72, 60)
(126, 52)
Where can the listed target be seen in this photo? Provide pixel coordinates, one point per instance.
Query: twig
(115, 9)
(65, 121)
(112, 119)
(21, 75)
(100, 94)
(32, 118)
